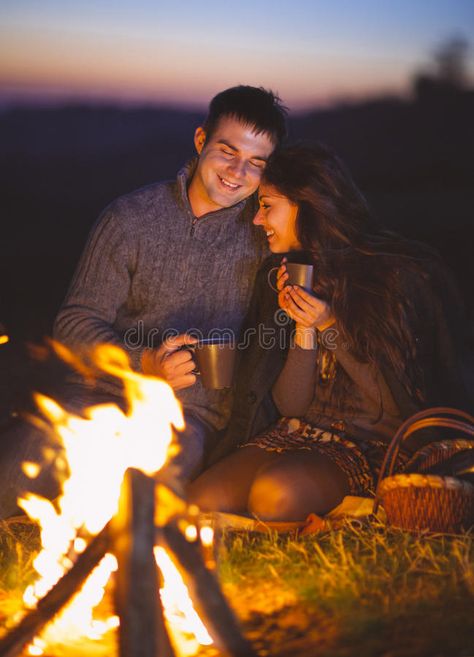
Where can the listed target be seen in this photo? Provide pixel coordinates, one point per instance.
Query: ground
(357, 589)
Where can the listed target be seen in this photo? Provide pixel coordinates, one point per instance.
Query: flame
(207, 536)
(31, 470)
(191, 533)
(4, 339)
(98, 449)
(178, 606)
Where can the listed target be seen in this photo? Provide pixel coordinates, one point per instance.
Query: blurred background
(100, 97)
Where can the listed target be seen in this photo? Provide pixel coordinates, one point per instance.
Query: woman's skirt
(360, 460)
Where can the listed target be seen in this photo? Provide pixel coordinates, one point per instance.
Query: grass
(359, 590)
(19, 543)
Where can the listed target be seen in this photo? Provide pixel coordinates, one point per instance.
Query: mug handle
(268, 278)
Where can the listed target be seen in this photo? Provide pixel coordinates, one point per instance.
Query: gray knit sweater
(151, 267)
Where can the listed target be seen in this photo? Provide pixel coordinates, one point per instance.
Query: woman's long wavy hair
(360, 267)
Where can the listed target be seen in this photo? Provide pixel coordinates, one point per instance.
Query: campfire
(118, 517)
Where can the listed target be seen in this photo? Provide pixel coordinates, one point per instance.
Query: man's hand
(171, 363)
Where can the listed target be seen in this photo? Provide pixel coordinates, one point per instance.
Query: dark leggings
(271, 486)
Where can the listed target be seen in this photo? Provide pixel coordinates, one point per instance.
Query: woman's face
(277, 216)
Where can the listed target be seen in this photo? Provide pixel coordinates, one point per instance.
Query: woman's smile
(277, 216)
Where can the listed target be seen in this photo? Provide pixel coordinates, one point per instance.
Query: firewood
(142, 628)
(32, 623)
(204, 589)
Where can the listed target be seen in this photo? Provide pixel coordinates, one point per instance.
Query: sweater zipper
(193, 223)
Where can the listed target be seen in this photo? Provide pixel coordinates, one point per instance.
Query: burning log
(106, 433)
(205, 591)
(138, 603)
(132, 536)
(33, 622)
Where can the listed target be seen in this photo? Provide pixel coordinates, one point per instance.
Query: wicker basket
(423, 501)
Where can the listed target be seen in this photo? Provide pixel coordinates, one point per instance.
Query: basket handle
(428, 418)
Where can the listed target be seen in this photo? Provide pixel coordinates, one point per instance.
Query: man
(181, 256)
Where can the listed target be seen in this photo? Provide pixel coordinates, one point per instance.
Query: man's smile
(227, 184)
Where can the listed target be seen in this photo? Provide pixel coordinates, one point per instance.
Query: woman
(374, 342)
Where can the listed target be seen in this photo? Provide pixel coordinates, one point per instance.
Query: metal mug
(215, 360)
(298, 274)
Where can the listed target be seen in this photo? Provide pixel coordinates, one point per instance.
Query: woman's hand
(282, 276)
(303, 307)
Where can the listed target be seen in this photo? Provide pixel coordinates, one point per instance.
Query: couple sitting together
(377, 338)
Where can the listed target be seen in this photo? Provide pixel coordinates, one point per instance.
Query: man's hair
(253, 106)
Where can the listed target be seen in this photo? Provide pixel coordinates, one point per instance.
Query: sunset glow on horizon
(312, 53)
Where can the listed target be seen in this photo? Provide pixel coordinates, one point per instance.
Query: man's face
(230, 165)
